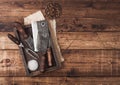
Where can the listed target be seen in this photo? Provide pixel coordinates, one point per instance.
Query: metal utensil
(28, 51)
(12, 38)
(42, 39)
(32, 19)
(15, 40)
(27, 38)
(40, 35)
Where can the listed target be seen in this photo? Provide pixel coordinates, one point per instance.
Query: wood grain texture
(77, 63)
(88, 15)
(75, 40)
(88, 33)
(10, 63)
(59, 81)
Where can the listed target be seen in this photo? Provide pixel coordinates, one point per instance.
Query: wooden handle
(15, 40)
(20, 28)
(49, 57)
(42, 64)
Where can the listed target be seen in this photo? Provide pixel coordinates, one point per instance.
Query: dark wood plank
(71, 24)
(78, 15)
(75, 40)
(86, 63)
(30, 4)
(76, 24)
(59, 81)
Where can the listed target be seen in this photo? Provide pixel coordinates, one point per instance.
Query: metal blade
(43, 36)
(35, 35)
(32, 19)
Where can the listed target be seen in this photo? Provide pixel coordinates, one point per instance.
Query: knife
(27, 38)
(32, 19)
(42, 39)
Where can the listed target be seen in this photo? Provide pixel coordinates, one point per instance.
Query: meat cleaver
(42, 40)
(32, 19)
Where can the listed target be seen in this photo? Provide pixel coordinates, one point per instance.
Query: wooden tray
(25, 57)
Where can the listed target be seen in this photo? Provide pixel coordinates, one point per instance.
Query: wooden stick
(49, 57)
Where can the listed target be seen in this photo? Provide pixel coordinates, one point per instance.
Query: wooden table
(89, 36)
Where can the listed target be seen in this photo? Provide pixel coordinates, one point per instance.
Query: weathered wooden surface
(77, 63)
(76, 40)
(89, 36)
(87, 15)
(59, 81)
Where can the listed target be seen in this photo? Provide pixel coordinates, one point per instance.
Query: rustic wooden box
(55, 59)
